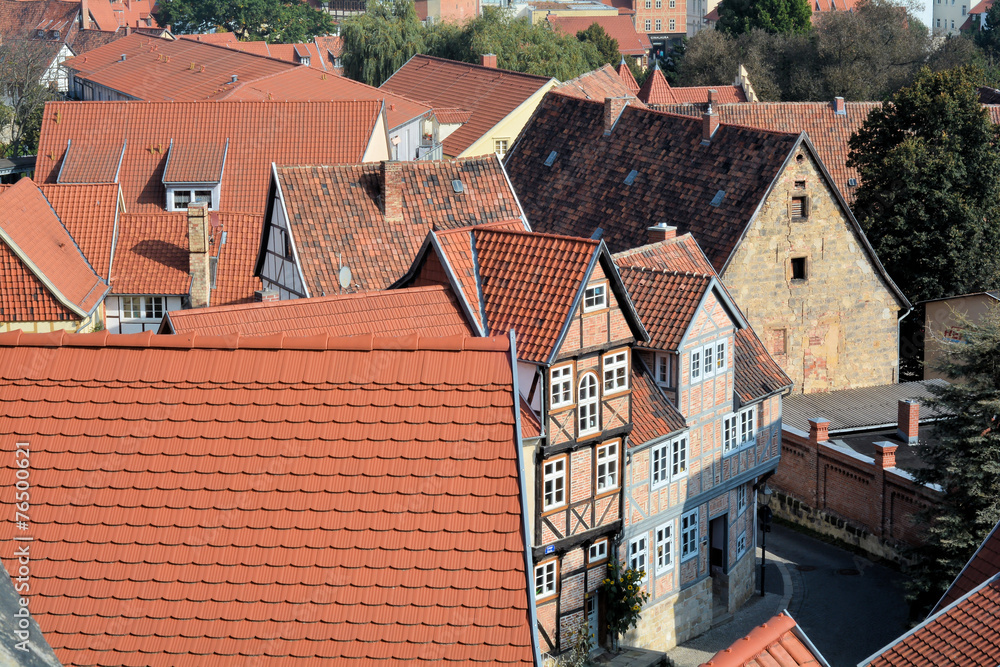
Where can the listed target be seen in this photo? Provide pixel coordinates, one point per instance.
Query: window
(708, 360)
(659, 464)
(730, 428)
(800, 208)
(649, 4)
(798, 268)
(695, 366)
(800, 185)
(288, 245)
(607, 467)
(963, 9)
(665, 370)
(738, 429)
(637, 555)
(673, 25)
(587, 393)
(182, 198)
(741, 545)
(720, 356)
(679, 456)
(562, 386)
(741, 499)
(595, 298)
(659, 4)
(555, 483)
(203, 196)
(545, 580)
(648, 25)
(664, 548)
(689, 535)
(500, 146)
(142, 307)
(953, 22)
(938, 21)
(615, 372)
(748, 430)
(659, 25)
(673, 3)
(598, 551)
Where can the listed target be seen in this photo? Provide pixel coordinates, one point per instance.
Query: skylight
(630, 179)
(457, 186)
(719, 196)
(550, 160)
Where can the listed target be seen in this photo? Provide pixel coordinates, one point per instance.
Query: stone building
(761, 204)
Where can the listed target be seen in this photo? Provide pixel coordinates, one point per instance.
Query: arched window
(587, 396)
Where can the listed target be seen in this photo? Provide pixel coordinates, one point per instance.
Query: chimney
(198, 254)
(711, 98)
(128, 30)
(392, 191)
(266, 295)
(709, 124)
(488, 60)
(613, 107)
(84, 15)
(123, 57)
(661, 231)
(885, 455)
(838, 106)
(819, 430)
(908, 422)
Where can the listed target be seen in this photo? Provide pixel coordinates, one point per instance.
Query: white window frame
(659, 464)
(741, 499)
(730, 433)
(638, 555)
(664, 541)
(157, 305)
(598, 551)
(708, 360)
(554, 471)
(689, 535)
(595, 297)
(589, 406)
(561, 384)
(679, 457)
(721, 356)
(673, 25)
(615, 364)
(648, 25)
(547, 572)
(695, 365)
(606, 467)
(665, 367)
(501, 146)
(659, 25)
(748, 425)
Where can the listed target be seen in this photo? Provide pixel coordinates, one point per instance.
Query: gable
(23, 297)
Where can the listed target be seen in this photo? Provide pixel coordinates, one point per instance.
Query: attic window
(457, 186)
(630, 179)
(551, 159)
(852, 182)
(717, 199)
(800, 208)
(800, 158)
(798, 268)
(800, 185)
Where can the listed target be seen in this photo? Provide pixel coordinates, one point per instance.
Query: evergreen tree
(963, 459)
(378, 42)
(987, 37)
(285, 21)
(929, 198)
(606, 46)
(775, 16)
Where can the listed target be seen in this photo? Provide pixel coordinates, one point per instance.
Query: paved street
(848, 616)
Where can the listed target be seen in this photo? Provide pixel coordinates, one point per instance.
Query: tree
(606, 46)
(23, 94)
(286, 21)
(774, 16)
(963, 459)
(713, 58)
(378, 42)
(929, 199)
(987, 37)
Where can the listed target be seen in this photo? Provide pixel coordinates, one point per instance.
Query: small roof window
(630, 179)
(457, 186)
(717, 199)
(550, 160)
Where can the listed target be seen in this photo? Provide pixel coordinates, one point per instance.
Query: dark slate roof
(676, 182)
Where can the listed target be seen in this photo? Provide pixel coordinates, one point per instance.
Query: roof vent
(457, 186)
(717, 199)
(234, 79)
(550, 160)
(630, 179)
(852, 182)
(123, 58)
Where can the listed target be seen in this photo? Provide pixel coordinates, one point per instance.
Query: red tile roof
(337, 215)
(983, 565)
(31, 230)
(964, 634)
(657, 92)
(778, 643)
(322, 51)
(757, 374)
(427, 311)
(680, 253)
(676, 180)
(297, 132)
(653, 415)
(152, 256)
(86, 162)
(531, 426)
(490, 94)
(625, 74)
(666, 300)
(361, 498)
(620, 28)
(599, 85)
(451, 116)
(195, 162)
(25, 298)
(821, 6)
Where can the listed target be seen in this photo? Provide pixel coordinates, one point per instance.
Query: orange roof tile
(656, 92)
(964, 634)
(427, 311)
(361, 499)
(450, 116)
(297, 132)
(679, 253)
(757, 374)
(25, 298)
(625, 74)
(31, 230)
(531, 426)
(490, 94)
(653, 415)
(983, 565)
(821, 6)
(337, 216)
(599, 85)
(212, 37)
(620, 28)
(780, 641)
(195, 161)
(86, 162)
(666, 300)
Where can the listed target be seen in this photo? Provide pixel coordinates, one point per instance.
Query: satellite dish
(345, 277)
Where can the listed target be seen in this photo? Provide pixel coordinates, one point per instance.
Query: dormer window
(193, 174)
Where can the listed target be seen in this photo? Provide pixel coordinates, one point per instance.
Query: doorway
(718, 559)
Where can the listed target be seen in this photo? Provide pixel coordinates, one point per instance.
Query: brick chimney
(661, 231)
(198, 254)
(885, 455)
(84, 15)
(392, 191)
(709, 124)
(613, 107)
(838, 106)
(266, 295)
(488, 60)
(819, 430)
(712, 98)
(908, 421)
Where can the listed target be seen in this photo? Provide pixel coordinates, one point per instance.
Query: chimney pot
(488, 60)
(392, 191)
(709, 124)
(661, 232)
(885, 455)
(613, 107)
(235, 78)
(123, 57)
(908, 422)
(838, 106)
(198, 254)
(819, 430)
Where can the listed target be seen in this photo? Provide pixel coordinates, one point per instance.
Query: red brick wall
(431, 273)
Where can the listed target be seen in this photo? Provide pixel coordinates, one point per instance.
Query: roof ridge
(666, 272)
(319, 342)
(353, 296)
(525, 232)
(539, 77)
(659, 244)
